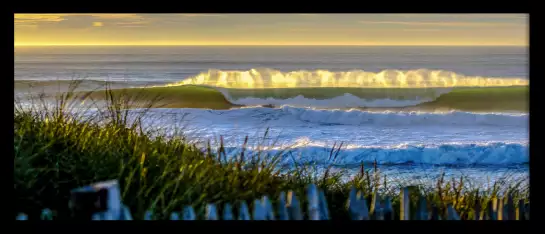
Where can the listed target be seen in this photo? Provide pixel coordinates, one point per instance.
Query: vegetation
(60, 148)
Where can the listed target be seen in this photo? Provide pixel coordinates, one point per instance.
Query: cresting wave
(270, 78)
(448, 154)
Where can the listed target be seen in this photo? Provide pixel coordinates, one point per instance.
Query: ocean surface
(411, 145)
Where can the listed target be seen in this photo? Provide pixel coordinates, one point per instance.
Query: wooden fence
(288, 207)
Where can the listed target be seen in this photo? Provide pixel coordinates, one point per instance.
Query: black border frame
(536, 74)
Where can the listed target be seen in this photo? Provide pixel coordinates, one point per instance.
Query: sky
(272, 29)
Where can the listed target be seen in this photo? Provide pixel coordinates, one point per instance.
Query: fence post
(101, 199)
(422, 211)
(294, 207)
(313, 203)
(243, 213)
(404, 204)
(211, 213)
(174, 216)
(357, 206)
(451, 213)
(259, 212)
(148, 215)
(324, 211)
(189, 213)
(22, 216)
(282, 207)
(47, 214)
(269, 211)
(227, 212)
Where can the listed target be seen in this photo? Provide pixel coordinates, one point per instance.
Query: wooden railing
(102, 202)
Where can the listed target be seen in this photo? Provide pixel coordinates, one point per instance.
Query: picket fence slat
(289, 208)
(451, 213)
(313, 203)
(294, 209)
(259, 210)
(211, 212)
(243, 213)
(227, 212)
(189, 213)
(324, 212)
(282, 207)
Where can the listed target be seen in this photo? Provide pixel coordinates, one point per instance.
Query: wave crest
(270, 78)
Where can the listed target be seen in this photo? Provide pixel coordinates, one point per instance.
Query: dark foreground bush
(58, 149)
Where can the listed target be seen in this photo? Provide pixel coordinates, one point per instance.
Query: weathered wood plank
(313, 203)
(269, 210)
(211, 212)
(126, 213)
(46, 214)
(324, 210)
(282, 207)
(21, 216)
(259, 210)
(174, 216)
(422, 211)
(364, 208)
(243, 213)
(148, 215)
(404, 204)
(189, 213)
(228, 212)
(294, 208)
(357, 206)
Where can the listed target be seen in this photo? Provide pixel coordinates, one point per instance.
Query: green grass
(57, 150)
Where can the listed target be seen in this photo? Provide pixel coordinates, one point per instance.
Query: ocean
(415, 111)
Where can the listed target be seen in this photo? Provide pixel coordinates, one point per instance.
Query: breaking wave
(270, 78)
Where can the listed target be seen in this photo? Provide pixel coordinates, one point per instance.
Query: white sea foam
(270, 78)
(347, 100)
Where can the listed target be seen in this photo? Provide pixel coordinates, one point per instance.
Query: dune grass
(59, 148)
